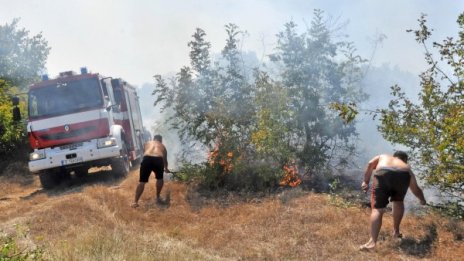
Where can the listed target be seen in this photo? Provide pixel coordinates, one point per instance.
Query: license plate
(72, 161)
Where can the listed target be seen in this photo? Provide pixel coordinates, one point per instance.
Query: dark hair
(158, 138)
(401, 155)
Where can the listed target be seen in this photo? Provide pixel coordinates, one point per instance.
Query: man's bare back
(388, 161)
(155, 159)
(154, 148)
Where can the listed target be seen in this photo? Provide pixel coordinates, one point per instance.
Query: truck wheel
(63, 175)
(48, 179)
(121, 165)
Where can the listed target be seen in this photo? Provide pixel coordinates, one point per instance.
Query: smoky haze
(376, 83)
(136, 41)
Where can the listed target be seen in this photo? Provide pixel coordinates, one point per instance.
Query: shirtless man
(392, 177)
(155, 158)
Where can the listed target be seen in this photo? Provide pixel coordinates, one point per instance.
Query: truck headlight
(106, 142)
(37, 155)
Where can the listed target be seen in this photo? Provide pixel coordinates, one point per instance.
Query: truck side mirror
(16, 114)
(114, 107)
(15, 100)
(16, 111)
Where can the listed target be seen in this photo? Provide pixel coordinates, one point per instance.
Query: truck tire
(121, 165)
(48, 179)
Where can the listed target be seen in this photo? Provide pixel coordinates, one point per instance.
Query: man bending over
(392, 177)
(155, 158)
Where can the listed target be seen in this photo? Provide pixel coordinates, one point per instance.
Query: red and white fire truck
(79, 121)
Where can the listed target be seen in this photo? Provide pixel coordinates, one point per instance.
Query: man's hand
(167, 171)
(423, 202)
(365, 186)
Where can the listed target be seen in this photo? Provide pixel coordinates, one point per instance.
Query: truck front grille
(70, 134)
(71, 146)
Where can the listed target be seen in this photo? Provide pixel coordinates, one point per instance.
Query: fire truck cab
(79, 121)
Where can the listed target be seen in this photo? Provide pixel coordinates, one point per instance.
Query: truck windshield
(65, 97)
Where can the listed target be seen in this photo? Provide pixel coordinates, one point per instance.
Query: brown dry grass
(92, 220)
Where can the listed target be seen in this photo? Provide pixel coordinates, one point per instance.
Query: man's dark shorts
(149, 164)
(389, 183)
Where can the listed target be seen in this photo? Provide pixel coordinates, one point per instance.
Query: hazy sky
(138, 39)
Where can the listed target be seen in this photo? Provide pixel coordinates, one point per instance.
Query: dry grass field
(91, 219)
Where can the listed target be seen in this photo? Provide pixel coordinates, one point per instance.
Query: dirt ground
(91, 219)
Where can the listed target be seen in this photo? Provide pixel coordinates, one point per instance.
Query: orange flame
(225, 163)
(291, 177)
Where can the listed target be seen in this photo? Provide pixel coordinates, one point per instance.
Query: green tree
(11, 133)
(261, 126)
(212, 103)
(208, 100)
(318, 72)
(433, 127)
(22, 58)
(273, 116)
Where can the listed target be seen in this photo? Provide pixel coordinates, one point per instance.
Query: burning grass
(95, 222)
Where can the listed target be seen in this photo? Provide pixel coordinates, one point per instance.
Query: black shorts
(389, 183)
(149, 164)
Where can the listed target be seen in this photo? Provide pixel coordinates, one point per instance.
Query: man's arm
(367, 174)
(415, 189)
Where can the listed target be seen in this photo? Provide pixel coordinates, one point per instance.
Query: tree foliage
(433, 127)
(270, 121)
(22, 58)
(317, 72)
(211, 103)
(11, 133)
(273, 117)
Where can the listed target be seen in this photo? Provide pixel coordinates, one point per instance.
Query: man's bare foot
(134, 205)
(367, 247)
(397, 237)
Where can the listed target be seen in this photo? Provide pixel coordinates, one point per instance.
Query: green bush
(259, 122)
(245, 176)
(432, 127)
(10, 251)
